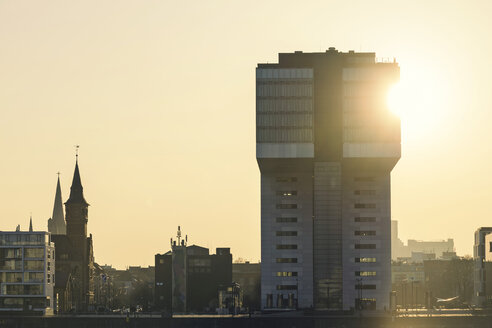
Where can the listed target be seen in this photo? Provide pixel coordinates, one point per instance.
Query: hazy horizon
(160, 96)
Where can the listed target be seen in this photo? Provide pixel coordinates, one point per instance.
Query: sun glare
(419, 99)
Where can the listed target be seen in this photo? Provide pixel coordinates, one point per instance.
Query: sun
(420, 100)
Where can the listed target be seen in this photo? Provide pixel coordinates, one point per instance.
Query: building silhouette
(56, 224)
(74, 252)
(326, 144)
(187, 278)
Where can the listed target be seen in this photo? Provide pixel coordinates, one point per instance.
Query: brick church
(74, 284)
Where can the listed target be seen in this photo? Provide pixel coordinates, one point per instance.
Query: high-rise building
(326, 144)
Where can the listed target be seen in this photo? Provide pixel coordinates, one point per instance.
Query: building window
(365, 273)
(365, 192)
(34, 253)
(286, 206)
(286, 287)
(364, 179)
(359, 205)
(364, 219)
(365, 259)
(286, 274)
(364, 233)
(282, 246)
(286, 233)
(287, 260)
(63, 256)
(365, 303)
(286, 220)
(365, 246)
(161, 261)
(363, 286)
(286, 179)
(286, 193)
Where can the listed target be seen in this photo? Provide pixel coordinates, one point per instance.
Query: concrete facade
(326, 144)
(27, 273)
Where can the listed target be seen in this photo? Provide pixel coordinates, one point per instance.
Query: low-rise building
(27, 272)
(187, 279)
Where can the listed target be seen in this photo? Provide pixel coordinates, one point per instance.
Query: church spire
(76, 190)
(30, 224)
(57, 225)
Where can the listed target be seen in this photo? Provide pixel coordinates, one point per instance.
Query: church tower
(82, 258)
(76, 209)
(56, 224)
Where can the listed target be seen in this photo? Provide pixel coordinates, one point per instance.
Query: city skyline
(166, 121)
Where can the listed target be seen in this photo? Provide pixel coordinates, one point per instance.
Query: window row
(290, 135)
(361, 90)
(286, 193)
(365, 192)
(364, 233)
(364, 286)
(284, 120)
(282, 105)
(362, 205)
(22, 289)
(286, 260)
(379, 134)
(365, 219)
(286, 246)
(286, 206)
(365, 246)
(365, 259)
(286, 233)
(365, 273)
(284, 90)
(17, 277)
(23, 239)
(286, 220)
(286, 274)
(286, 287)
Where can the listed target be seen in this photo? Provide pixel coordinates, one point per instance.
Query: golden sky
(161, 97)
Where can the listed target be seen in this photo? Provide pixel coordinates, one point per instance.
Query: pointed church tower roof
(76, 190)
(57, 225)
(30, 224)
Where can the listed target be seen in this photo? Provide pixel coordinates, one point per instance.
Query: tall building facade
(326, 144)
(481, 248)
(27, 272)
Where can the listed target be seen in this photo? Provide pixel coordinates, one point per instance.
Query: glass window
(287, 193)
(286, 220)
(286, 179)
(286, 206)
(283, 246)
(286, 287)
(11, 265)
(365, 259)
(364, 219)
(365, 192)
(359, 205)
(33, 265)
(286, 274)
(365, 246)
(365, 273)
(33, 277)
(287, 260)
(364, 233)
(34, 252)
(286, 233)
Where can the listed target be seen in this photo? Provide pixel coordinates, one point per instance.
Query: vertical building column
(327, 232)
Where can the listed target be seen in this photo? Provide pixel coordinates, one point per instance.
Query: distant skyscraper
(56, 224)
(326, 144)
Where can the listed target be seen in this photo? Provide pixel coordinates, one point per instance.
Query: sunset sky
(160, 96)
